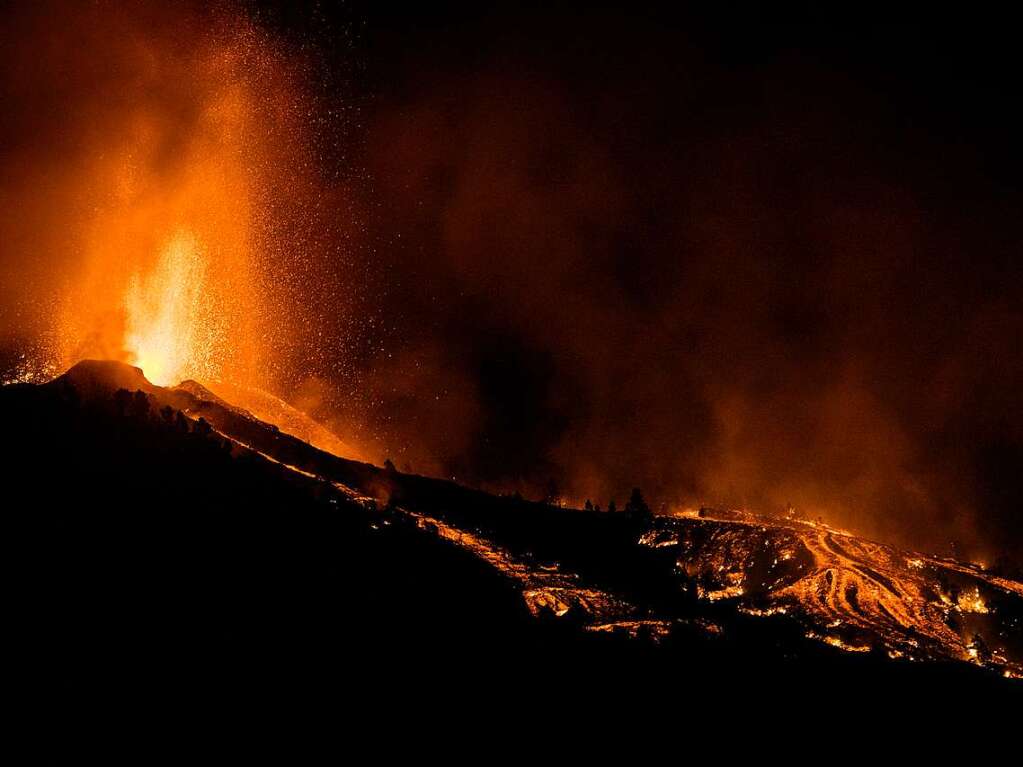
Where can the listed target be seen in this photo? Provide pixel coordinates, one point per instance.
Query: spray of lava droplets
(170, 329)
(168, 278)
(173, 217)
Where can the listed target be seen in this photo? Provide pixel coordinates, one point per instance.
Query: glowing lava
(174, 219)
(849, 592)
(171, 331)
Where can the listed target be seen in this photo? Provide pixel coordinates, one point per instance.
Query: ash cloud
(752, 283)
(734, 265)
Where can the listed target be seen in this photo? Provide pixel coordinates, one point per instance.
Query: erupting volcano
(169, 213)
(563, 352)
(168, 275)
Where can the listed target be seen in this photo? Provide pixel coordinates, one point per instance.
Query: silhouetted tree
(167, 413)
(140, 405)
(202, 427)
(181, 423)
(612, 506)
(588, 505)
(637, 505)
(389, 466)
(122, 401)
(596, 507)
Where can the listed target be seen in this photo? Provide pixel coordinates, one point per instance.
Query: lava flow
(850, 592)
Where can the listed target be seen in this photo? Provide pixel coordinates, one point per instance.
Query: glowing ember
(972, 602)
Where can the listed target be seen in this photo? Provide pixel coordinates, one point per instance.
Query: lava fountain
(165, 232)
(171, 331)
(168, 279)
(173, 217)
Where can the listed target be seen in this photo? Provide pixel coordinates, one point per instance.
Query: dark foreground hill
(169, 547)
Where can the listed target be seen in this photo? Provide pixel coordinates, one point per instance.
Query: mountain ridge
(619, 578)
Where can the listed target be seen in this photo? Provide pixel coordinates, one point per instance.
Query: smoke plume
(597, 252)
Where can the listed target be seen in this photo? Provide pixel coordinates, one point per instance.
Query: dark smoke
(728, 261)
(724, 270)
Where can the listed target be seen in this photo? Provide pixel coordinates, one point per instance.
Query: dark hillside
(156, 559)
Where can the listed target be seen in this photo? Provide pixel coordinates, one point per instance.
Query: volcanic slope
(181, 520)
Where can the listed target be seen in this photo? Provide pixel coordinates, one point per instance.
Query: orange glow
(175, 218)
(166, 280)
(855, 594)
(171, 332)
